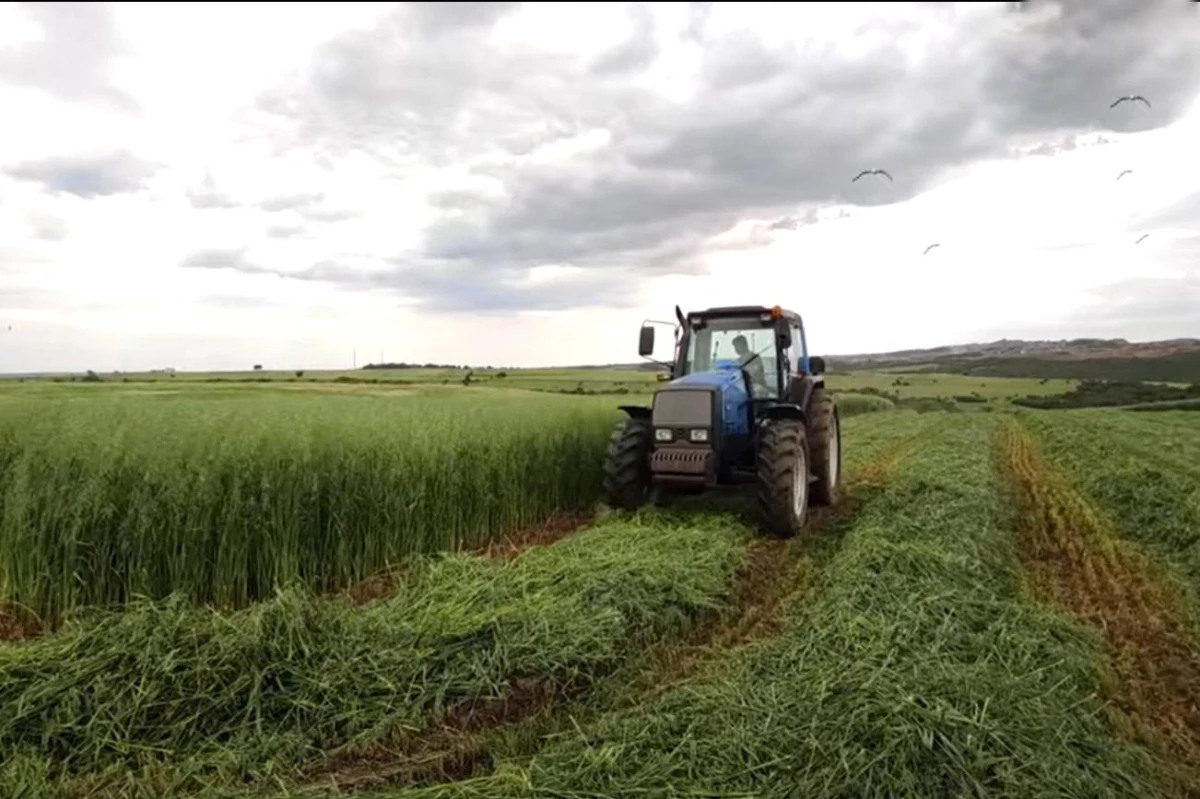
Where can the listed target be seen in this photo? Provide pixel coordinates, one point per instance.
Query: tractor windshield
(735, 342)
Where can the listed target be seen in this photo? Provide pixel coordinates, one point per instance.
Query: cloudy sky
(214, 185)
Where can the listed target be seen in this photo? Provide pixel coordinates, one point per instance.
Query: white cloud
(1025, 241)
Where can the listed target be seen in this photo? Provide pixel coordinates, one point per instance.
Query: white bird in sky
(1123, 174)
(1139, 241)
(930, 247)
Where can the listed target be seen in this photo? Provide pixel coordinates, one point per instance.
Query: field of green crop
(1002, 604)
(227, 493)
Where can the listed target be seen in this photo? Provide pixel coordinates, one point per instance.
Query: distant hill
(1174, 360)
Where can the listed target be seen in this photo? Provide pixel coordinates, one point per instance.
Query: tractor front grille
(682, 460)
(683, 408)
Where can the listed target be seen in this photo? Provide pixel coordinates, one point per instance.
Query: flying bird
(1139, 241)
(930, 247)
(1123, 174)
(1131, 98)
(872, 172)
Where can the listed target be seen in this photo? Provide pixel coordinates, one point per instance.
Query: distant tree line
(1180, 367)
(1109, 394)
(403, 365)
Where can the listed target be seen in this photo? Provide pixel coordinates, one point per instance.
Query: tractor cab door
(795, 378)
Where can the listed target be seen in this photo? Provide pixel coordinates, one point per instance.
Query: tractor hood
(729, 385)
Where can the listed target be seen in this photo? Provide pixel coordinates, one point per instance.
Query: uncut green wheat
(103, 499)
(161, 698)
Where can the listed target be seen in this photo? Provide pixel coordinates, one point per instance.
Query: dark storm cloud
(71, 59)
(768, 130)
(87, 175)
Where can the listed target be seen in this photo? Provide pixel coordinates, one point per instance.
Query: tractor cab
(741, 393)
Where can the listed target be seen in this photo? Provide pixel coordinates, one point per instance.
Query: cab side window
(796, 349)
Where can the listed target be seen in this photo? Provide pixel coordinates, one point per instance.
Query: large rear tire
(627, 465)
(782, 474)
(825, 439)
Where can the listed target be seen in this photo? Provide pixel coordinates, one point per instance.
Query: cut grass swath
(1136, 469)
(916, 670)
(1076, 563)
(166, 697)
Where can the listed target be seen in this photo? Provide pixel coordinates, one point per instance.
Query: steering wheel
(756, 373)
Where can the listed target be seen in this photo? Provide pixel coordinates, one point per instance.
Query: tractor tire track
(1076, 563)
(775, 575)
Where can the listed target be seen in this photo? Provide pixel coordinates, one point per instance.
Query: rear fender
(783, 410)
(639, 412)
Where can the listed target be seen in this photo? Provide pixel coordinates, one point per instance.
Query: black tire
(627, 465)
(782, 451)
(825, 442)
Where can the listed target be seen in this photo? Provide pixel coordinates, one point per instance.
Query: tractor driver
(754, 367)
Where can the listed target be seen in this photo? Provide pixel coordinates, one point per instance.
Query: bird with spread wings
(872, 172)
(1131, 98)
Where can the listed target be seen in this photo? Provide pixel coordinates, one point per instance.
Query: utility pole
(354, 360)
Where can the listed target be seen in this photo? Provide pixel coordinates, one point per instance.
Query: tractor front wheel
(782, 473)
(627, 465)
(826, 440)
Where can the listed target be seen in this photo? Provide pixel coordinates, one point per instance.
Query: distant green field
(584, 381)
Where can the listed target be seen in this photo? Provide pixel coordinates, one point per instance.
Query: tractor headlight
(662, 434)
(698, 434)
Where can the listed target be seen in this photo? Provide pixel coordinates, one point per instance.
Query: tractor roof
(734, 311)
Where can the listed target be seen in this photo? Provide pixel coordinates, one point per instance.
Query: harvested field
(1076, 563)
(914, 667)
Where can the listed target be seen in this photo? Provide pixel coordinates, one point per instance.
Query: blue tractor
(743, 403)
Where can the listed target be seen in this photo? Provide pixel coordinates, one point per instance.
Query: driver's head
(740, 346)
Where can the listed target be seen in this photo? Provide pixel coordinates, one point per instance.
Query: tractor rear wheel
(825, 439)
(627, 465)
(782, 474)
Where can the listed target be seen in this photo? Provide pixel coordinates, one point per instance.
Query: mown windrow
(165, 697)
(106, 498)
(1138, 470)
(1076, 563)
(916, 670)
(775, 574)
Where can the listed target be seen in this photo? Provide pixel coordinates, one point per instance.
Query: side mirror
(646, 341)
(785, 338)
(816, 365)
